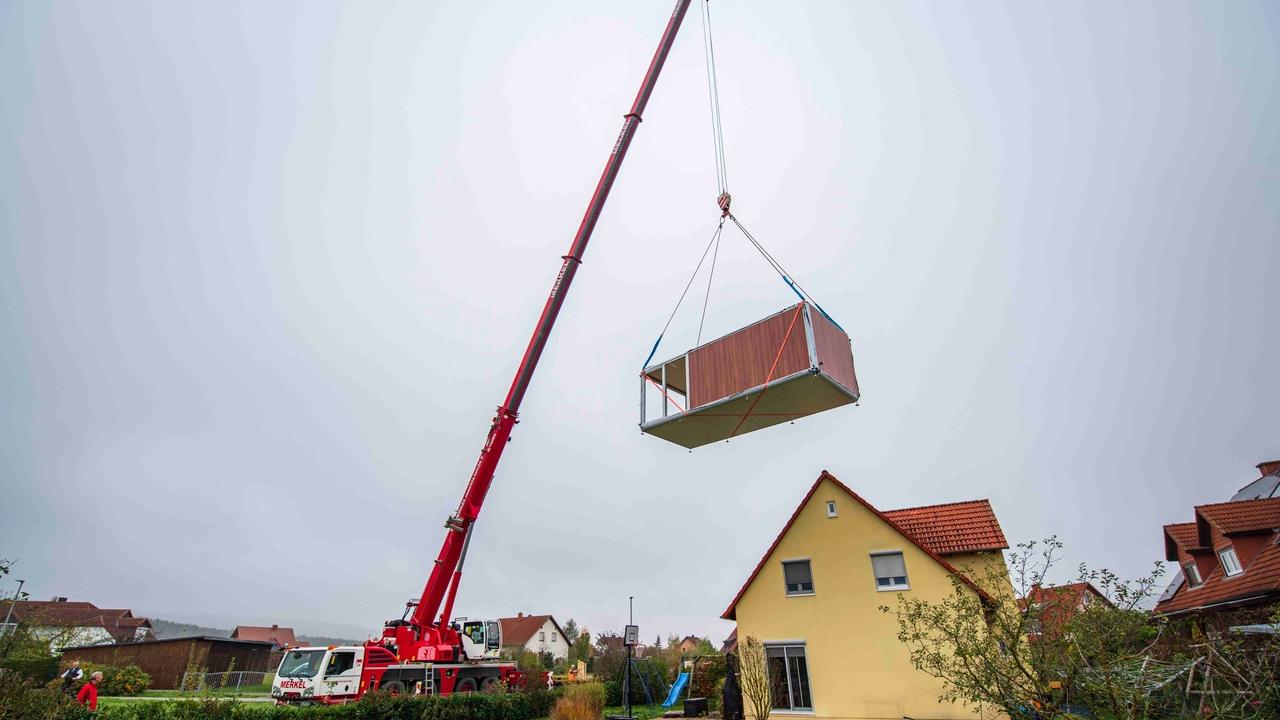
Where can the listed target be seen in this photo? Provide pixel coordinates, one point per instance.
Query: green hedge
(39, 669)
(20, 698)
(116, 680)
(479, 706)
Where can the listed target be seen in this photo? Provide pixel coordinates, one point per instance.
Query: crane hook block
(723, 202)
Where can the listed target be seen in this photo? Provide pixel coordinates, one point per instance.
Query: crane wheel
(465, 685)
(394, 687)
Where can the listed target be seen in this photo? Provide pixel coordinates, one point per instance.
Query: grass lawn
(640, 712)
(247, 692)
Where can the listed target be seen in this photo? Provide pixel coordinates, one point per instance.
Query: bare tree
(753, 678)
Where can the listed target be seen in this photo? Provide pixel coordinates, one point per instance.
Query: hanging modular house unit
(786, 366)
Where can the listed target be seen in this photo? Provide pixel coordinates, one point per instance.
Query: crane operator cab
(481, 639)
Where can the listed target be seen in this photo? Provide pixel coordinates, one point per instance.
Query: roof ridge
(1238, 503)
(978, 501)
(911, 538)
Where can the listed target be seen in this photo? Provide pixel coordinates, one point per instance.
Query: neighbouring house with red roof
(534, 633)
(689, 643)
(813, 599)
(1228, 555)
(1053, 606)
(279, 637)
(64, 623)
(730, 644)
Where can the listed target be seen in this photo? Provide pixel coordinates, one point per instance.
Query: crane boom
(424, 639)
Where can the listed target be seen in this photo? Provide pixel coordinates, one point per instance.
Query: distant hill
(166, 629)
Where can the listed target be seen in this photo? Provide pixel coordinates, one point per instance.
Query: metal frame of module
(815, 379)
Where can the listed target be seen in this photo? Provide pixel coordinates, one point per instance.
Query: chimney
(58, 598)
(519, 614)
(1268, 467)
(274, 627)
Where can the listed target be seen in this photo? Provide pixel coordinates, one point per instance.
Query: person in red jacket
(89, 693)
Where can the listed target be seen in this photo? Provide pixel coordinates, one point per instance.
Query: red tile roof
(282, 636)
(951, 528)
(1217, 525)
(1179, 535)
(520, 629)
(924, 545)
(1070, 594)
(119, 622)
(1243, 515)
(1260, 579)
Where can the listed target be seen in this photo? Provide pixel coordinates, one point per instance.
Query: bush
(40, 669)
(654, 678)
(580, 702)
(22, 698)
(127, 680)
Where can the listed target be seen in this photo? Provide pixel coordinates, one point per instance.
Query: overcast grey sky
(267, 267)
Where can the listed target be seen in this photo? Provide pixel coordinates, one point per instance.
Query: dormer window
(1230, 563)
(1193, 574)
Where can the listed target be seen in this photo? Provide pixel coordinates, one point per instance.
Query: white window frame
(831, 509)
(542, 636)
(1187, 569)
(785, 644)
(799, 593)
(1230, 552)
(906, 585)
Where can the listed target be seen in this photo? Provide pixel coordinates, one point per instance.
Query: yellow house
(814, 599)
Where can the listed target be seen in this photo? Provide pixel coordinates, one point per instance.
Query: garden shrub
(127, 680)
(583, 701)
(374, 706)
(21, 698)
(654, 678)
(40, 669)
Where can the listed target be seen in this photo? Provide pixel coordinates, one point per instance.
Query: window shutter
(889, 566)
(798, 576)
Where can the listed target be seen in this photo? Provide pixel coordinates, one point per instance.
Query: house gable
(840, 625)
(827, 489)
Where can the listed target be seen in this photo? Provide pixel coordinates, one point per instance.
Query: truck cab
(480, 639)
(319, 674)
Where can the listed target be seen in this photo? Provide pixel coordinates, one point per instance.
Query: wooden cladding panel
(835, 357)
(166, 660)
(741, 360)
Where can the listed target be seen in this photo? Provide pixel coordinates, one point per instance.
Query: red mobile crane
(423, 652)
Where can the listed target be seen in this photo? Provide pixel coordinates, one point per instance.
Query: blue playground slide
(681, 680)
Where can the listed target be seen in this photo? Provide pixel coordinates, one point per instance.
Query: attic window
(798, 576)
(1193, 574)
(831, 508)
(891, 571)
(1230, 563)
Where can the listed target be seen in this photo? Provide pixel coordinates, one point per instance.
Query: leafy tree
(1009, 653)
(571, 630)
(581, 649)
(529, 662)
(610, 655)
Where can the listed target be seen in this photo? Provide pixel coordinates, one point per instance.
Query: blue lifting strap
(655, 350)
(800, 295)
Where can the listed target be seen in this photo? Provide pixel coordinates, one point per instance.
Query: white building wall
(548, 639)
(60, 637)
